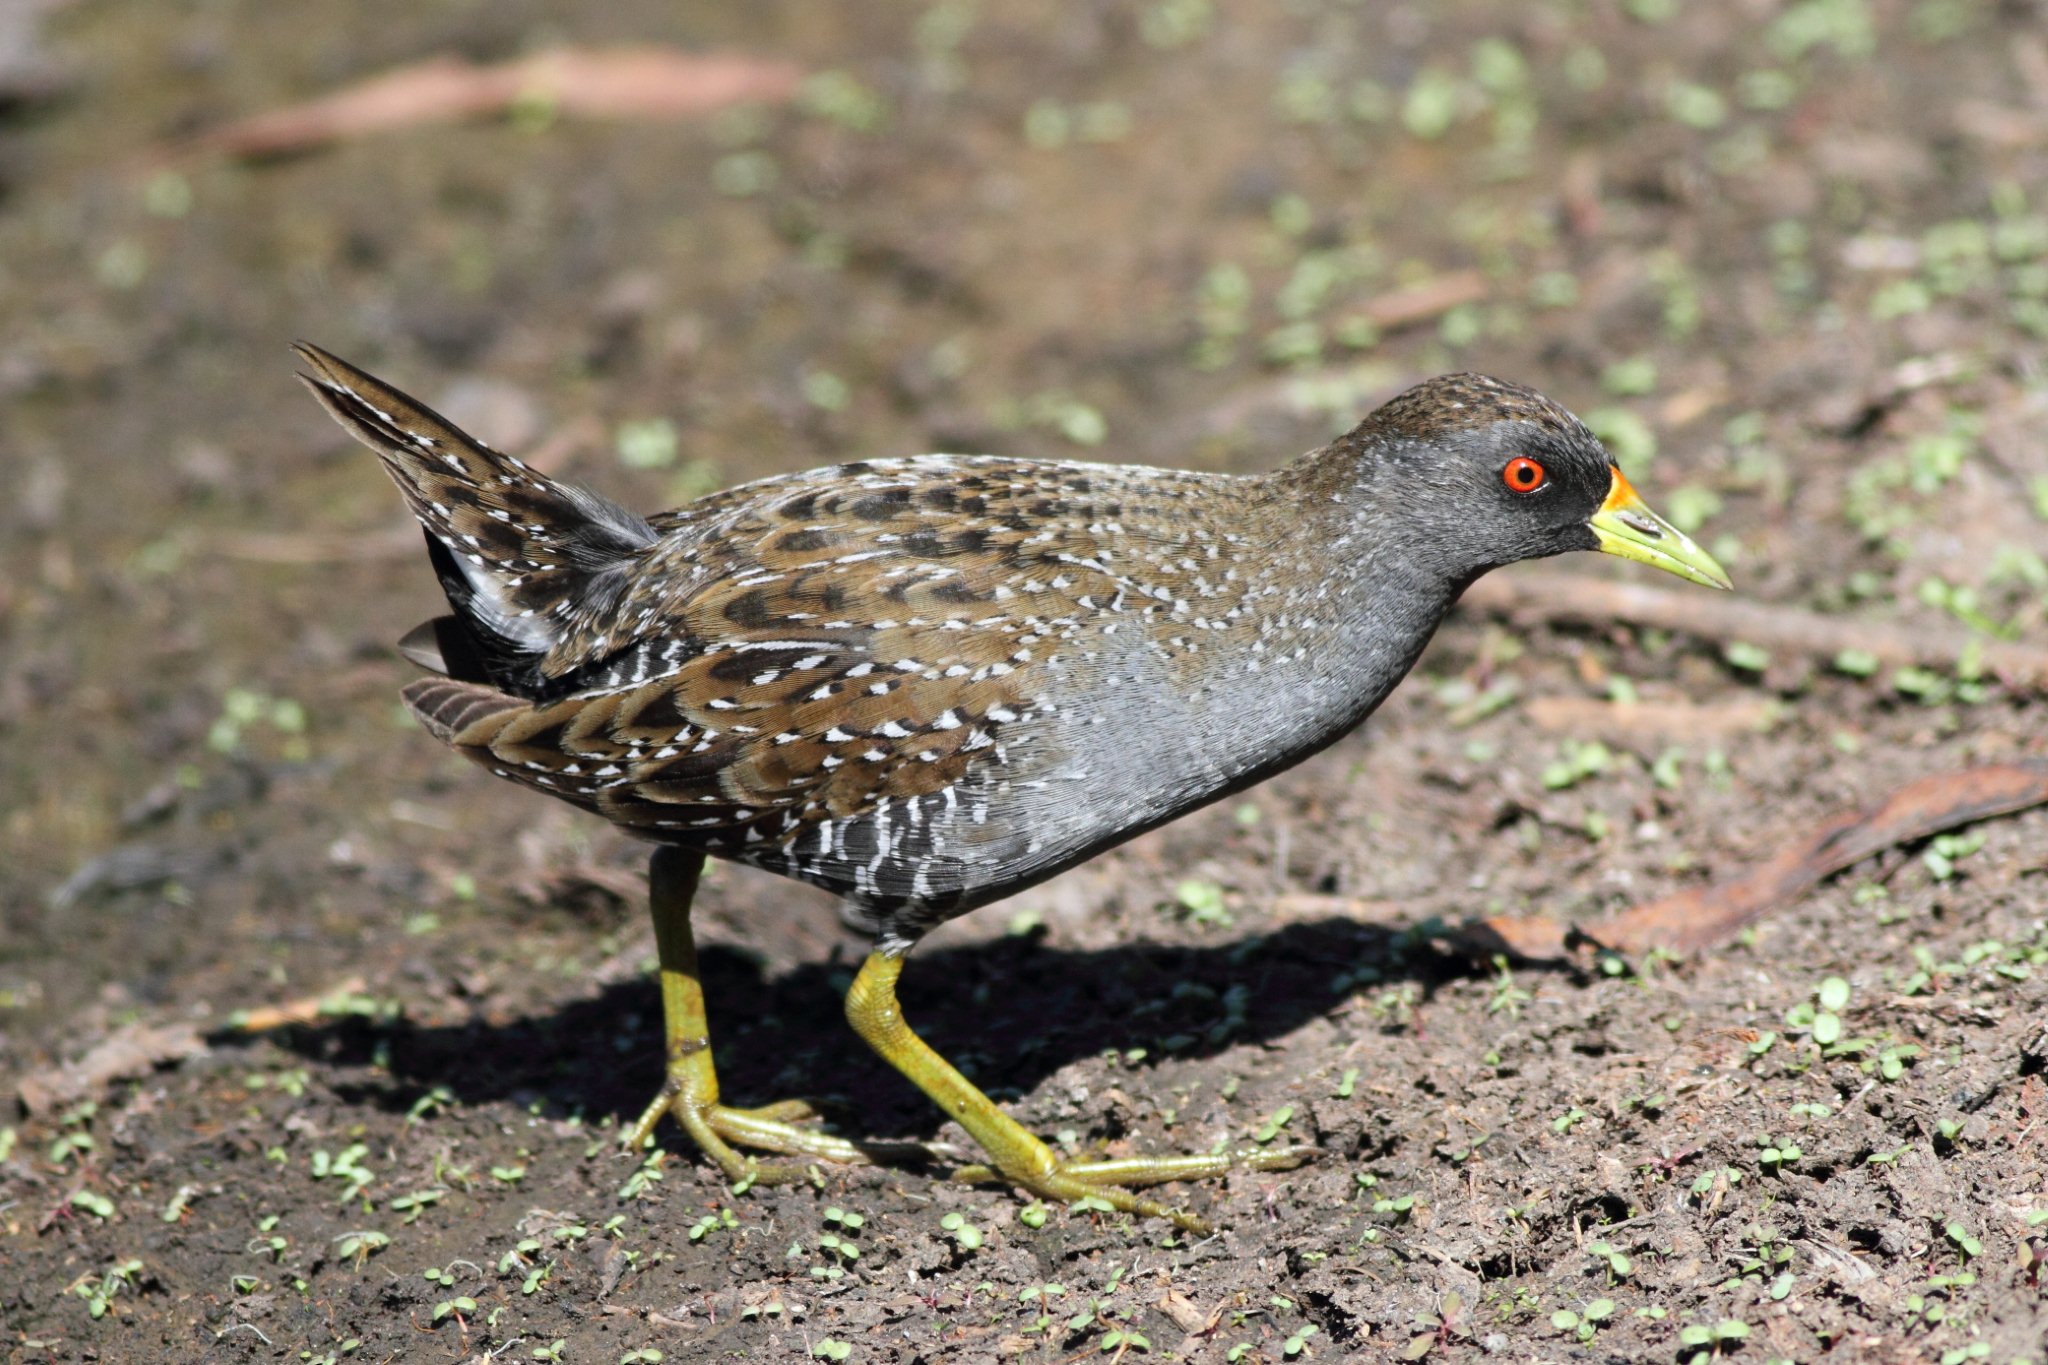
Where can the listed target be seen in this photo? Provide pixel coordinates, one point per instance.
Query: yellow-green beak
(1627, 528)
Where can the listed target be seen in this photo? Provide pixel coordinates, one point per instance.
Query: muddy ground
(322, 1038)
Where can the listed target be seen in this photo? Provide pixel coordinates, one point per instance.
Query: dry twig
(619, 83)
(1706, 915)
(307, 1009)
(1553, 597)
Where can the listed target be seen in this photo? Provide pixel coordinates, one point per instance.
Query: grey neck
(1348, 608)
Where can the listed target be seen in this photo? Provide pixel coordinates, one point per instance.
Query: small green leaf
(94, 1203)
(1747, 657)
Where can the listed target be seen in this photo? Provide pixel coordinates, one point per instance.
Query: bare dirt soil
(321, 1039)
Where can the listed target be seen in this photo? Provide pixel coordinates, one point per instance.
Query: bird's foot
(1112, 1182)
(718, 1129)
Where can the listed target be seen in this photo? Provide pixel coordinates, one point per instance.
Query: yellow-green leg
(1014, 1154)
(691, 1090)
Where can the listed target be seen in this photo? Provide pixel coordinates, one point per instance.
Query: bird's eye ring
(1524, 475)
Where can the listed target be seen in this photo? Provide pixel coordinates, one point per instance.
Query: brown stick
(622, 83)
(304, 1010)
(1705, 915)
(1431, 298)
(1553, 597)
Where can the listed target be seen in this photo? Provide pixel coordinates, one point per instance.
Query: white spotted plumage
(924, 682)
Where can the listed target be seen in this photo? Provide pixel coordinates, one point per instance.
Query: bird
(926, 683)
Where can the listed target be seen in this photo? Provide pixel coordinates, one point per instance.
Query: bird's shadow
(1008, 1012)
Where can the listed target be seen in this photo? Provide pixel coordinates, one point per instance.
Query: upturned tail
(526, 562)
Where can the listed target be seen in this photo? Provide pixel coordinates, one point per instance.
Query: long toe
(1063, 1183)
(782, 1111)
(763, 1130)
(1278, 1158)
(718, 1131)
(1113, 1181)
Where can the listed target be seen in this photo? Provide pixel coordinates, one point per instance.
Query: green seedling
(99, 1291)
(1400, 1208)
(1508, 998)
(1698, 1342)
(1777, 1153)
(1121, 1339)
(1619, 1266)
(1772, 1257)
(72, 1138)
(965, 1235)
(1704, 1183)
(1967, 1247)
(644, 1178)
(1584, 1323)
(1821, 1017)
(711, 1222)
(411, 1206)
(1202, 903)
(1944, 851)
(360, 1246)
(1745, 657)
(345, 1167)
(1274, 1124)
(94, 1203)
(1576, 762)
(1042, 1295)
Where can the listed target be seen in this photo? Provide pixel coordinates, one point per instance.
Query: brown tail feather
(451, 709)
(525, 559)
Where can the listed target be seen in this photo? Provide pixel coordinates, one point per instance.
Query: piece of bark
(307, 1009)
(621, 83)
(1703, 916)
(1304, 907)
(1422, 302)
(135, 1050)
(1662, 719)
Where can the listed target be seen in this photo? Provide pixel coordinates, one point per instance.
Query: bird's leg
(1014, 1154)
(691, 1089)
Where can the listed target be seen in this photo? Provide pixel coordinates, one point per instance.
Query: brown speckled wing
(832, 641)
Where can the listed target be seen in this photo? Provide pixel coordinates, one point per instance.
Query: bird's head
(1485, 473)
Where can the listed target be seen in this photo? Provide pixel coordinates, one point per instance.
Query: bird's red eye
(1524, 475)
